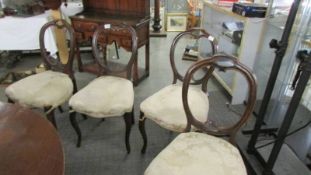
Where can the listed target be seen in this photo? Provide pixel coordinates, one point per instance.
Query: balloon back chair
(53, 87)
(165, 106)
(206, 152)
(112, 93)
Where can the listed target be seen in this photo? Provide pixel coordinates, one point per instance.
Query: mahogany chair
(112, 93)
(165, 106)
(53, 87)
(205, 152)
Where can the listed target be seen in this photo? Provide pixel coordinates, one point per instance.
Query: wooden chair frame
(222, 62)
(54, 64)
(196, 34)
(101, 38)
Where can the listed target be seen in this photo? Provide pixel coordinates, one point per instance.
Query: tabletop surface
(29, 144)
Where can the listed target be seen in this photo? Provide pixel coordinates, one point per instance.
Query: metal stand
(305, 69)
(280, 47)
(280, 52)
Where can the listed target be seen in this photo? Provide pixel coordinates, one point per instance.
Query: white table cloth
(22, 33)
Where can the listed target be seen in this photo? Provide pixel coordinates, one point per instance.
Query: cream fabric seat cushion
(166, 109)
(106, 96)
(45, 89)
(197, 154)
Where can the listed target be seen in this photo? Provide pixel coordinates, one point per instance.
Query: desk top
(108, 18)
(29, 144)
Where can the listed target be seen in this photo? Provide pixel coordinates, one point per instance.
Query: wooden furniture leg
(147, 58)
(156, 25)
(135, 71)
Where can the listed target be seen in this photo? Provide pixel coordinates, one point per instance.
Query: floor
(103, 149)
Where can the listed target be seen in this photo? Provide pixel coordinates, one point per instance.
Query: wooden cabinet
(97, 12)
(213, 18)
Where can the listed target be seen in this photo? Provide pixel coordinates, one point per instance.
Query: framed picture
(176, 22)
(177, 6)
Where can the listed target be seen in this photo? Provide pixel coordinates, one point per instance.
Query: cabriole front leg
(142, 131)
(75, 126)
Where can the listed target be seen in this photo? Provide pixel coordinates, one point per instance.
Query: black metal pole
(280, 52)
(290, 113)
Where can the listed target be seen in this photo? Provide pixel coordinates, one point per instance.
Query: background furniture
(213, 18)
(292, 27)
(18, 33)
(205, 153)
(135, 13)
(29, 144)
(108, 95)
(165, 106)
(51, 88)
(156, 24)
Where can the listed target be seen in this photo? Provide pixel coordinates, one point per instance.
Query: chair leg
(10, 100)
(84, 116)
(128, 125)
(50, 116)
(133, 116)
(60, 109)
(75, 126)
(142, 131)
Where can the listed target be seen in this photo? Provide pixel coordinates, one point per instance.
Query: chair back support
(196, 34)
(223, 63)
(54, 63)
(103, 37)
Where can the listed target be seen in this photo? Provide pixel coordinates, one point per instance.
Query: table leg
(147, 58)
(135, 71)
(79, 59)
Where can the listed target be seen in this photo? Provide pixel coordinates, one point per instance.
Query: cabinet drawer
(84, 26)
(127, 43)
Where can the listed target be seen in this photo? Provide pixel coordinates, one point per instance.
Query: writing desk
(97, 12)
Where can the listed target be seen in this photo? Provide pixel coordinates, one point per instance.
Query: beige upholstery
(166, 109)
(105, 96)
(198, 154)
(41, 90)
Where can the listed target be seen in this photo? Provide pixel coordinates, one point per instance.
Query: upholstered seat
(106, 96)
(41, 90)
(195, 153)
(111, 94)
(166, 109)
(49, 89)
(207, 152)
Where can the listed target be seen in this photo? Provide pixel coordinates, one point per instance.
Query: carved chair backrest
(223, 63)
(50, 61)
(196, 34)
(105, 36)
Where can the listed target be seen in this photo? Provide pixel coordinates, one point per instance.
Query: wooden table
(29, 144)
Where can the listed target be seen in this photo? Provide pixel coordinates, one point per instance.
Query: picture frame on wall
(176, 22)
(177, 6)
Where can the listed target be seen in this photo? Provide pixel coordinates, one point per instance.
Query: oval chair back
(102, 39)
(223, 63)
